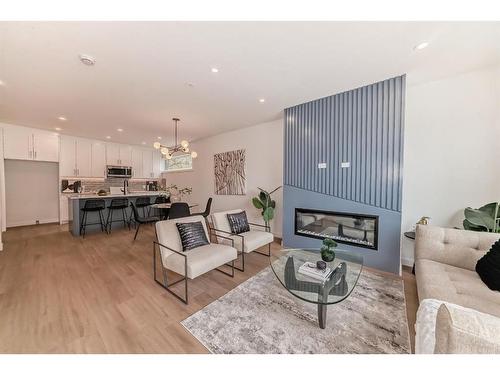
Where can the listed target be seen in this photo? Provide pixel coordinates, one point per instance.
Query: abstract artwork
(229, 168)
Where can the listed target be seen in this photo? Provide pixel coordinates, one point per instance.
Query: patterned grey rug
(260, 316)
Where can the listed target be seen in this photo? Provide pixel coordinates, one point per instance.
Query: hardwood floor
(60, 294)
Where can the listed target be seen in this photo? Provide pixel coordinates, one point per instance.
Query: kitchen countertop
(74, 196)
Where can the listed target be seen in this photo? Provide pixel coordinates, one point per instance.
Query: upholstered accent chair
(258, 236)
(190, 263)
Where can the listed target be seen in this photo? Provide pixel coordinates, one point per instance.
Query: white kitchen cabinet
(147, 163)
(158, 164)
(29, 144)
(83, 157)
(117, 154)
(64, 208)
(136, 164)
(67, 163)
(98, 159)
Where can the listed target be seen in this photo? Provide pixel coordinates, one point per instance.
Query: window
(179, 163)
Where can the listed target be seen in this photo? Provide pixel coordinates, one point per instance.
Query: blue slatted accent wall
(362, 126)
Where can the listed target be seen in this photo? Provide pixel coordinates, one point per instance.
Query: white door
(112, 154)
(45, 146)
(67, 163)
(125, 155)
(17, 143)
(158, 164)
(98, 159)
(83, 157)
(136, 164)
(147, 164)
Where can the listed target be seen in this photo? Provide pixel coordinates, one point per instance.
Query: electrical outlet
(321, 165)
(345, 164)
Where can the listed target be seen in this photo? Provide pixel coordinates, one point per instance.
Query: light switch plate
(321, 165)
(345, 164)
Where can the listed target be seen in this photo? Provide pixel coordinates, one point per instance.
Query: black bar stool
(117, 204)
(143, 203)
(92, 205)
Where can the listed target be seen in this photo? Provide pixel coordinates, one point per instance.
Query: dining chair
(178, 210)
(205, 213)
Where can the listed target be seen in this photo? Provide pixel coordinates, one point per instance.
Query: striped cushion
(192, 235)
(238, 222)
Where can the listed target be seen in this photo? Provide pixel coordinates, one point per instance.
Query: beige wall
(31, 192)
(264, 168)
(452, 152)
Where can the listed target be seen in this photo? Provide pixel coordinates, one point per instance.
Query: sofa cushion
(456, 285)
(488, 267)
(200, 260)
(168, 234)
(219, 220)
(253, 240)
(238, 222)
(192, 235)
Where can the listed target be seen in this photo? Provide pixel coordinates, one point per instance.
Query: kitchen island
(77, 202)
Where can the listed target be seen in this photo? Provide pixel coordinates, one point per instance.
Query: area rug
(260, 316)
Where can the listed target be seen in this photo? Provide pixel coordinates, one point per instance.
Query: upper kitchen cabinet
(76, 157)
(137, 170)
(117, 154)
(98, 159)
(28, 144)
(158, 164)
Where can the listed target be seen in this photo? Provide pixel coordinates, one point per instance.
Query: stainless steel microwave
(118, 171)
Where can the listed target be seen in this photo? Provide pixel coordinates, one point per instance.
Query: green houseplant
(266, 204)
(483, 219)
(328, 250)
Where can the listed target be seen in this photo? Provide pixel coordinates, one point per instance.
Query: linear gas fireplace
(352, 229)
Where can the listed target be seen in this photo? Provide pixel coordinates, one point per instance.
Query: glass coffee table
(337, 287)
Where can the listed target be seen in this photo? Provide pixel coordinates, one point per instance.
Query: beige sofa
(456, 308)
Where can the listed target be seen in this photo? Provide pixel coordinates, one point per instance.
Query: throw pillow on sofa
(488, 267)
(238, 222)
(192, 235)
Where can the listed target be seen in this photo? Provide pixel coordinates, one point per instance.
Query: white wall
(452, 149)
(264, 168)
(31, 192)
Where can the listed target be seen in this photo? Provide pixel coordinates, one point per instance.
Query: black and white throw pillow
(488, 267)
(192, 235)
(238, 222)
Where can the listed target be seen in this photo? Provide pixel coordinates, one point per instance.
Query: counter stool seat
(93, 205)
(117, 204)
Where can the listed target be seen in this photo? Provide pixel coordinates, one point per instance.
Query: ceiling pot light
(62, 118)
(119, 130)
(2, 83)
(157, 145)
(58, 129)
(87, 60)
(262, 100)
(421, 46)
(143, 143)
(158, 138)
(215, 70)
(108, 137)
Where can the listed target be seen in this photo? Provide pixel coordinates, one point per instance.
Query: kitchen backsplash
(93, 185)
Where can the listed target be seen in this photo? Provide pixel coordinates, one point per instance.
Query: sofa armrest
(461, 330)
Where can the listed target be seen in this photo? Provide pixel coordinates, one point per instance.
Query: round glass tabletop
(342, 275)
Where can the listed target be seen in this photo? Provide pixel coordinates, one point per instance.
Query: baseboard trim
(407, 262)
(23, 223)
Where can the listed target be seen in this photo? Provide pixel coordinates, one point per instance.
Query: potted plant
(483, 219)
(265, 203)
(328, 250)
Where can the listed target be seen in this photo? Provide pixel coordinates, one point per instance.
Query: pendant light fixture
(178, 148)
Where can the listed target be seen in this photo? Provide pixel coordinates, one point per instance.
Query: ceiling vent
(87, 60)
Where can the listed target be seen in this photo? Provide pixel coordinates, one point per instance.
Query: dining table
(163, 207)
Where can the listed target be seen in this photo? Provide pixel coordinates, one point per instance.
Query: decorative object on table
(311, 270)
(238, 222)
(178, 148)
(424, 220)
(483, 219)
(265, 203)
(488, 267)
(229, 170)
(328, 250)
(185, 191)
(321, 264)
(102, 192)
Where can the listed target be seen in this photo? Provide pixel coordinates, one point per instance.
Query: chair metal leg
(227, 273)
(242, 269)
(137, 230)
(83, 224)
(101, 220)
(167, 286)
(124, 216)
(110, 223)
(268, 251)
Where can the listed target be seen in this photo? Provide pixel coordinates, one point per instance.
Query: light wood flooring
(60, 294)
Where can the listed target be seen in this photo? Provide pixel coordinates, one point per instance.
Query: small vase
(327, 254)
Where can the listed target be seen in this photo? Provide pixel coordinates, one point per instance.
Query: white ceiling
(140, 80)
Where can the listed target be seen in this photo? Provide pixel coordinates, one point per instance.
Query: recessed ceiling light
(108, 137)
(58, 129)
(158, 137)
(262, 100)
(215, 70)
(87, 60)
(119, 130)
(143, 142)
(190, 84)
(421, 46)
(62, 118)
(2, 83)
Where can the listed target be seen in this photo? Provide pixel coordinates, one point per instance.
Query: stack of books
(309, 269)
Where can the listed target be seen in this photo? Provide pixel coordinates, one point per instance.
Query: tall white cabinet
(22, 143)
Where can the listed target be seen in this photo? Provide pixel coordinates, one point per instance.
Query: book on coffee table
(309, 269)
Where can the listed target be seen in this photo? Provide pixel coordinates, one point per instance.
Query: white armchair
(191, 263)
(258, 236)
